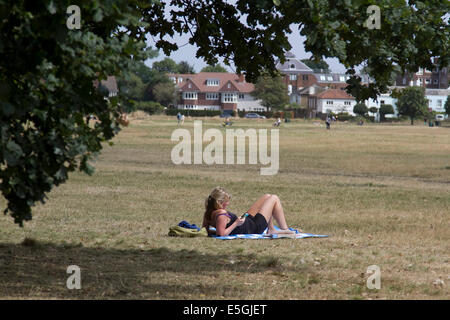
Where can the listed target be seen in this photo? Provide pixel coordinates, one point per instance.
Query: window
(439, 103)
(329, 78)
(329, 102)
(229, 85)
(347, 103)
(190, 95)
(342, 78)
(435, 81)
(293, 77)
(241, 96)
(305, 77)
(180, 80)
(404, 81)
(212, 82)
(381, 101)
(212, 96)
(322, 78)
(229, 97)
(292, 66)
(428, 81)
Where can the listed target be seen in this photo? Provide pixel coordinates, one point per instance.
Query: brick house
(438, 78)
(302, 81)
(215, 91)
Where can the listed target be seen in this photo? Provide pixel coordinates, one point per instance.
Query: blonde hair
(213, 202)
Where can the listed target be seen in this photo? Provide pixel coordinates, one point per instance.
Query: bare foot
(281, 231)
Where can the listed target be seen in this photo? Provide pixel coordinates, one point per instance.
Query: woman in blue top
(259, 217)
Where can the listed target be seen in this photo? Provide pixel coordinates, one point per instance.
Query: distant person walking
(179, 117)
(182, 119)
(328, 121)
(277, 123)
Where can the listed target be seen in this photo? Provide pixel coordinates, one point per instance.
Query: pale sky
(187, 52)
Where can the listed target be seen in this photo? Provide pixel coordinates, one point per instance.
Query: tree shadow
(39, 270)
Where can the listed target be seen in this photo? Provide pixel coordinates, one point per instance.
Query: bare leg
(272, 209)
(254, 209)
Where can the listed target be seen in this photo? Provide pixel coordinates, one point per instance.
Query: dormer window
(292, 66)
(212, 82)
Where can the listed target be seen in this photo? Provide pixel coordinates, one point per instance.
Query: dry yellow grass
(382, 193)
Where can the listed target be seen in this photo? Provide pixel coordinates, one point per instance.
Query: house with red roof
(332, 100)
(215, 91)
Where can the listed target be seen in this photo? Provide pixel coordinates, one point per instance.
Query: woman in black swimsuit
(256, 220)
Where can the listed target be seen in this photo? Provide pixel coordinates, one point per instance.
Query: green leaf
(51, 7)
(98, 16)
(7, 108)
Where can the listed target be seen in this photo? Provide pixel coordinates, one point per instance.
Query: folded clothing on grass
(187, 225)
(184, 229)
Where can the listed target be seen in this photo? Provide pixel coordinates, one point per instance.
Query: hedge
(149, 107)
(193, 113)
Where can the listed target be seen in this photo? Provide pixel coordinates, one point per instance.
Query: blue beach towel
(264, 235)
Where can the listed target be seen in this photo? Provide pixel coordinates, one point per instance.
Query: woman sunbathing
(255, 220)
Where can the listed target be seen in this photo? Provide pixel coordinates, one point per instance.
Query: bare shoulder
(218, 211)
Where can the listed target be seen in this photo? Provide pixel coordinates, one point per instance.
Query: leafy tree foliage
(412, 103)
(165, 66)
(185, 68)
(410, 34)
(214, 68)
(165, 93)
(447, 105)
(47, 73)
(360, 109)
(373, 109)
(272, 91)
(318, 66)
(386, 109)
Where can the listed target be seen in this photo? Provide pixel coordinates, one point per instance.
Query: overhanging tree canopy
(253, 34)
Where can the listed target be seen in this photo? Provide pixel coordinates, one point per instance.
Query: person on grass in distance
(260, 215)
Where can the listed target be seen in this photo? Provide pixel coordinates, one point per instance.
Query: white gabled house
(332, 100)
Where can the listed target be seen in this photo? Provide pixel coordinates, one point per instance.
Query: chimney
(241, 77)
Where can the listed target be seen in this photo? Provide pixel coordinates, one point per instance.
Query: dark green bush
(149, 107)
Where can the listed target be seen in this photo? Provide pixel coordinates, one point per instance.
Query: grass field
(381, 192)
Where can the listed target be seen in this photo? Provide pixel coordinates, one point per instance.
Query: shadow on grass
(39, 270)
